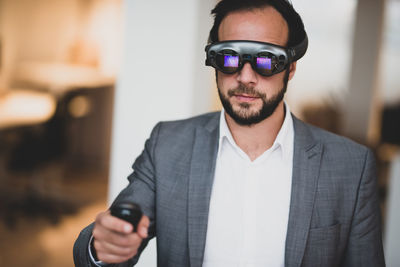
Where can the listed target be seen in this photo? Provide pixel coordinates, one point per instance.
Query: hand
(114, 240)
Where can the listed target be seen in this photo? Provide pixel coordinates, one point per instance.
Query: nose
(247, 75)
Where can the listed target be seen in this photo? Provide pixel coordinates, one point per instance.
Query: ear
(292, 70)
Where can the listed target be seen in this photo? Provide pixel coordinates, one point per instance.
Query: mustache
(242, 89)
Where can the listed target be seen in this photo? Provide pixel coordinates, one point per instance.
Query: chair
(30, 136)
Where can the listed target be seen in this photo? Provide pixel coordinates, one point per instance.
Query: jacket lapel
(202, 169)
(306, 165)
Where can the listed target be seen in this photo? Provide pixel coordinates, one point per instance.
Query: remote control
(129, 212)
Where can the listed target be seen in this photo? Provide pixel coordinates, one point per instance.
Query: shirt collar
(283, 140)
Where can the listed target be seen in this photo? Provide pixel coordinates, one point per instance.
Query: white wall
(392, 231)
(163, 77)
(161, 69)
(323, 76)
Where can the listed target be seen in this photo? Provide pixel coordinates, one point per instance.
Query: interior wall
(322, 75)
(76, 31)
(205, 93)
(158, 77)
(392, 229)
(390, 54)
(36, 30)
(1, 49)
(160, 73)
(101, 30)
(7, 44)
(362, 102)
(41, 29)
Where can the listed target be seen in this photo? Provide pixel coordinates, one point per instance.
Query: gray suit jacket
(334, 214)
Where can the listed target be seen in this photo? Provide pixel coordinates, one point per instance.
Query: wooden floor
(39, 229)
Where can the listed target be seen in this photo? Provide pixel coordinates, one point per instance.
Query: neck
(255, 139)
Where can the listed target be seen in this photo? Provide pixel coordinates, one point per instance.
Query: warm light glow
(25, 107)
(79, 106)
(104, 29)
(60, 78)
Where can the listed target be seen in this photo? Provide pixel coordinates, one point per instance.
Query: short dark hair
(224, 7)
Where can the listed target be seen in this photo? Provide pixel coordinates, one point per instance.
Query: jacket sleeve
(140, 190)
(364, 246)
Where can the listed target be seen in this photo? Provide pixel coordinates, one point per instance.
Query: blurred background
(82, 83)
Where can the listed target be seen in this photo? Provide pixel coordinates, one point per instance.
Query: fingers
(143, 226)
(114, 240)
(113, 223)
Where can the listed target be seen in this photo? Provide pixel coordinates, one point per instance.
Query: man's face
(248, 97)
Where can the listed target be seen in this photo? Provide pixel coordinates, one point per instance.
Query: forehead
(264, 25)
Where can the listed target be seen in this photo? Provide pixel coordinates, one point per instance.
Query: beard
(244, 116)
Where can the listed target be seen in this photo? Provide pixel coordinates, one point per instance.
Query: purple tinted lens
(264, 63)
(231, 61)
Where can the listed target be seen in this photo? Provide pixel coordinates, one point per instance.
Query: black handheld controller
(129, 212)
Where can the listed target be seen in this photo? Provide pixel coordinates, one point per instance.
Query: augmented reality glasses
(266, 59)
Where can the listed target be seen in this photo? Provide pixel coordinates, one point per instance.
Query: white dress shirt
(250, 200)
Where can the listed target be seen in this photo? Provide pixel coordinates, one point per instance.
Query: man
(252, 185)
